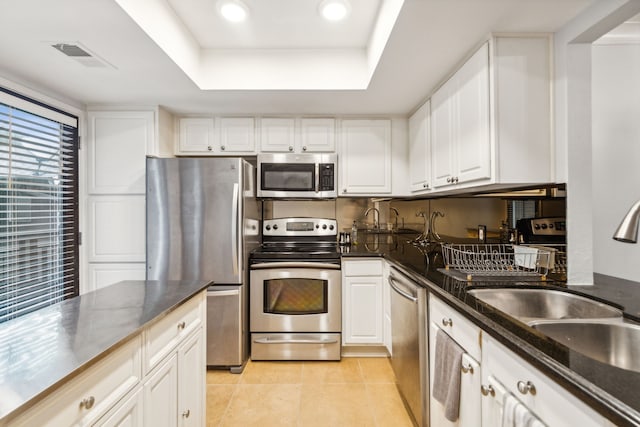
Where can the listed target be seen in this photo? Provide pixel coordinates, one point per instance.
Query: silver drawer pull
(487, 390)
(526, 387)
(447, 322)
(467, 369)
(186, 413)
(294, 341)
(182, 325)
(88, 402)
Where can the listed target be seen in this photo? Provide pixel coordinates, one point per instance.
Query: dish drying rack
(496, 260)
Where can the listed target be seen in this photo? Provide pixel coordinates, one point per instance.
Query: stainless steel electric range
(295, 291)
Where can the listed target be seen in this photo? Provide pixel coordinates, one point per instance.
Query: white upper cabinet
(491, 120)
(365, 157)
(460, 132)
(420, 149)
(291, 135)
(237, 135)
(277, 134)
(216, 136)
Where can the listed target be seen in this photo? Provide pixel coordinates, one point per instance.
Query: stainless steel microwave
(297, 176)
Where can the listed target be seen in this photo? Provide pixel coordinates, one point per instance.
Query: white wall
(616, 154)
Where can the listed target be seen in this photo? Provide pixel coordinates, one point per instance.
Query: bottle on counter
(354, 233)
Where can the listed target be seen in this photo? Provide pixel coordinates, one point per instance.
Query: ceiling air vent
(81, 54)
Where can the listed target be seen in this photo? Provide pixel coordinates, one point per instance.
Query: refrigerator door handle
(234, 228)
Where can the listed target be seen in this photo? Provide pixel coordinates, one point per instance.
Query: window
(38, 205)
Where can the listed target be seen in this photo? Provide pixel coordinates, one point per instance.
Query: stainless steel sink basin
(530, 305)
(613, 343)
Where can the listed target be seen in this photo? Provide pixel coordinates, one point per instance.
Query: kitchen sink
(530, 305)
(613, 343)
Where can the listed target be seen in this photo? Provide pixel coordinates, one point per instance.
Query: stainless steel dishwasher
(408, 343)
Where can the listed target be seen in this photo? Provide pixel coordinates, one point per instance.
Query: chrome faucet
(375, 219)
(397, 215)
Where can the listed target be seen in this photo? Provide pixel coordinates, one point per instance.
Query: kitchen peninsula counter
(611, 391)
(43, 350)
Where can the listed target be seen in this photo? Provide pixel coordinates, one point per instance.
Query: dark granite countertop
(611, 391)
(42, 350)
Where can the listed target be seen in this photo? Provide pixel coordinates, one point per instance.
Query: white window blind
(38, 207)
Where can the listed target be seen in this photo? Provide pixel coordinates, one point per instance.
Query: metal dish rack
(496, 260)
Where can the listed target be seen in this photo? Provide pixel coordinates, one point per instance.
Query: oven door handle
(293, 341)
(314, 265)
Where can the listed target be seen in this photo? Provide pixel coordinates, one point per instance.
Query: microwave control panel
(327, 174)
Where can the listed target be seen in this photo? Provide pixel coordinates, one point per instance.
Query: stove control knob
(268, 227)
(550, 226)
(544, 226)
(275, 226)
(537, 226)
(324, 226)
(331, 227)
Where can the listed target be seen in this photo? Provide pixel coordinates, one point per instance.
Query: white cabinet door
(126, 414)
(420, 149)
(161, 395)
(196, 135)
(237, 135)
(277, 134)
(105, 274)
(118, 144)
(470, 397)
(442, 138)
(473, 143)
(365, 157)
(191, 371)
(317, 135)
(116, 226)
(363, 310)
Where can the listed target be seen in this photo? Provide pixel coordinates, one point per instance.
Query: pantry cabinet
(362, 309)
(420, 149)
(491, 120)
(297, 135)
(209, 136)
(365, 158)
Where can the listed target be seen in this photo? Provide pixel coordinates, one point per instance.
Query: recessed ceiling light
(233, 10)
(334, 10)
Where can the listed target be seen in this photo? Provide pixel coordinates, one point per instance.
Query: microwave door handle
(234, 228)
(317, 178)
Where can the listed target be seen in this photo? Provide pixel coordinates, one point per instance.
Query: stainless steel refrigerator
(203, 219)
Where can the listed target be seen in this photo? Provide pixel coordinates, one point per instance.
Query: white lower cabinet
(466, 335)
(507, 373)
(362, 313)
(124, 390)
(126, 414)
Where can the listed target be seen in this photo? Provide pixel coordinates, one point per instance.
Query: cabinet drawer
(363, 267)
(465, 333)
(163, 336)
(87, 397)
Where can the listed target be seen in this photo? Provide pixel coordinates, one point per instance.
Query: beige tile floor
(352, 392)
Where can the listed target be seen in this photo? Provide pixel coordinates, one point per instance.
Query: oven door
(295, 297)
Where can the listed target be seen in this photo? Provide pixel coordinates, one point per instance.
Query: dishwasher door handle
(392, 282)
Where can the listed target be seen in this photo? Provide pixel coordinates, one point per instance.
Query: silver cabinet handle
(186, 413)
(304, 148)
(294, 341)
(456, 179)
(466, 369)
(182, 325)
(526, 387)
(344, 190)
(290, 148)
(210, 148)
(222, 147)
(88, 402)
(447, 322)
(449, 179)
(487, 390)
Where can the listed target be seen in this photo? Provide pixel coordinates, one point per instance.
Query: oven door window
(295, 296)
(288, 177)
